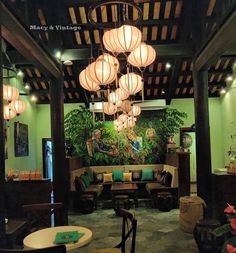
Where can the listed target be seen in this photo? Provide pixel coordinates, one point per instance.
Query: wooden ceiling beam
(20, 38)
(170, 50)
(146, 87)
(224, 39)
(227, 71)
(82, 92)
(150, 22)
(183, 36)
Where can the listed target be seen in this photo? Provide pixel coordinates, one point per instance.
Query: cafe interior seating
(40, 215)
(54, 249)
(129, 228)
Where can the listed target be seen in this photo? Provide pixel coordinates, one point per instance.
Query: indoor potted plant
(228, 230)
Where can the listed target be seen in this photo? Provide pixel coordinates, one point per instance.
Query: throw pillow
(136, 175)
(79, 185)
(98, 177)
(90, 175)
(85, 179)
(117, 175)
(107, 177)
(167, 178)
(147, 175)
(127, 176)
(157, 175)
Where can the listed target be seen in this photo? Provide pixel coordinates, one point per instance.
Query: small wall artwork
(21, 139)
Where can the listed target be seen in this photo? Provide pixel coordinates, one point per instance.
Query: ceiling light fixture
(58, 55)
(223, 91)
(27, 86)
(11, 94)
(33, 98)
(68, 62)
(124, 39)
(229, 78)
(168, 65)
(20, 73)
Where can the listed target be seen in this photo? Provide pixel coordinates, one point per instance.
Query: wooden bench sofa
(145, 188)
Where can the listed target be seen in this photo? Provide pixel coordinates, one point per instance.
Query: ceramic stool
(206, 240)
(87, 203)
(165, 201)
(120, 201)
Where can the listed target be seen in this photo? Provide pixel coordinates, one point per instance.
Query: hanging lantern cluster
(106, 69)
(15, 105)
(124, 121)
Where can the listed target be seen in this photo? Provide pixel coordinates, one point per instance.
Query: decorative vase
(206, 241)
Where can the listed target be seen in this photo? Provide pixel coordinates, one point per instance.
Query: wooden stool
(203, 233)
(87, 203)
(165, 201)
(120, 201)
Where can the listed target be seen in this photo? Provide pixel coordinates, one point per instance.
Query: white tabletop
(45, 237)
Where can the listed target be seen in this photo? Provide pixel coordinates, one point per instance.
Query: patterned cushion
(136, 175)
(98, 176)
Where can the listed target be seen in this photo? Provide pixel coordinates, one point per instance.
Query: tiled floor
(158, 232)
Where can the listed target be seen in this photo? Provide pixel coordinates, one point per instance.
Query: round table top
(45, 237)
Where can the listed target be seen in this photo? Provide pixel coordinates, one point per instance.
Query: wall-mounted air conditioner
(148, 105)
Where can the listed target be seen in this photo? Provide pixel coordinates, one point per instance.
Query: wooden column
(203, 146)
(60, 172)
(2, 154)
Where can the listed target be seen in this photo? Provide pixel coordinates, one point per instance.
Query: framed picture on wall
(21, 139)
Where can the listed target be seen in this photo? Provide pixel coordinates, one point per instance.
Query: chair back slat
(129, 228)
(40, 215)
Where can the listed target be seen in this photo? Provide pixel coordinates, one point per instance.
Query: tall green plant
(78, 128)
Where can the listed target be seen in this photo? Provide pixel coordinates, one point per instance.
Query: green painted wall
(228, 104)
(43, 129)
(185, 105)
(27, 117)
(216, 124)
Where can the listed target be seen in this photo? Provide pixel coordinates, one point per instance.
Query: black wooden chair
(40, 215)
(54, 249)
(129, 228)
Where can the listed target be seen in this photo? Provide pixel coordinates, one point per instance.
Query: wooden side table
(126, 189)
(15, 228)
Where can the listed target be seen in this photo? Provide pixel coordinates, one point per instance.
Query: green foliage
(170, 122)
(79, 128)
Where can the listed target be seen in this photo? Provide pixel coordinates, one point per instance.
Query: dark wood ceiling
(167, 25)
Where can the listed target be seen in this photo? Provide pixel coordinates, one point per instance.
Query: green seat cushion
(117, 175)
(147, 175)
(85, 179)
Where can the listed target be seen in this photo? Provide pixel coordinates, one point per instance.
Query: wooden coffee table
(127, 189)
